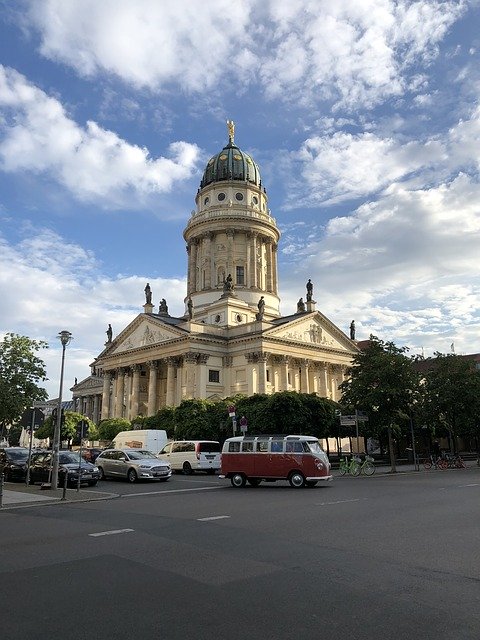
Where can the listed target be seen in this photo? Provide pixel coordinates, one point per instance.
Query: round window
(217, 318)
(239, 317)
(206, 201)
(255, 200)
(221, 196)
(239, 196)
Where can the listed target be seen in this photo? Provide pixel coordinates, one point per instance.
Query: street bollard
(1, 489)
(65, 480)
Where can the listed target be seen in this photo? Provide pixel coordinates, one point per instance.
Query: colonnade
(259, 261)
(144, 388)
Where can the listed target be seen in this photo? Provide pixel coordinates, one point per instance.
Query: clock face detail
(221, 196)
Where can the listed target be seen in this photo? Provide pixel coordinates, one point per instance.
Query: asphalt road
(390, 557)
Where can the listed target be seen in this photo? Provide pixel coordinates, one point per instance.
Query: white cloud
(48, 284)
(92, 163)
(353, 53)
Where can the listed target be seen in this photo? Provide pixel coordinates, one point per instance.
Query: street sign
(347, 421)
(231, 411)
(243, 424)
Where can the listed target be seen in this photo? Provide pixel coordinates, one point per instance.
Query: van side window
(234, 447)
(276, 446)
(262, 446)
(298, 447)
(289, 446)
(189, 446)
(247, 446)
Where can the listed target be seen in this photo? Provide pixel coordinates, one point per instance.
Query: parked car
(132, 464)
(90, 453)
(13, 463)
(192, 455)
(69, 462)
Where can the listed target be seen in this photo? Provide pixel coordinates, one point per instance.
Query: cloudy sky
(363, 116)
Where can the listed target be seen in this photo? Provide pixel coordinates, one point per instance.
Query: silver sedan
(132, 464)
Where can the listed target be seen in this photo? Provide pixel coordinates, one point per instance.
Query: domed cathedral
(232, 242)
(232, 338)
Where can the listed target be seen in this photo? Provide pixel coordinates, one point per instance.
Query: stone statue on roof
(231, 131)
(148, 294)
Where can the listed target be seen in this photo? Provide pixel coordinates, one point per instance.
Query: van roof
(269, 436)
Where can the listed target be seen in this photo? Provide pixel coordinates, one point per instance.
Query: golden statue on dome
(231, 131)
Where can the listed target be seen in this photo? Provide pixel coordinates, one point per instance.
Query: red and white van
(298, 459)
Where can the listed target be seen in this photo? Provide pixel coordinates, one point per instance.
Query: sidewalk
(17, 494)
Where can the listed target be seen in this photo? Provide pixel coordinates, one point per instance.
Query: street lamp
(65, 338)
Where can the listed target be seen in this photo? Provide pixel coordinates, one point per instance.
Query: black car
(13, 463)
(69, 462)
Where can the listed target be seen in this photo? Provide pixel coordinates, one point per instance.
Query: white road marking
(323, 504)
(110, 533)
(468, 485)
(153, 493)
(212, 518)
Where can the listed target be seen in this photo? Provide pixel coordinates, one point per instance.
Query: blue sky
(363, 116)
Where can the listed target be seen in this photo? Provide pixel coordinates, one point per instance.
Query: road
(390, 557)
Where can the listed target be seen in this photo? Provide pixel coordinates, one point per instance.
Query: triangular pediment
(313, 329)
(144, 332)
(92, 382)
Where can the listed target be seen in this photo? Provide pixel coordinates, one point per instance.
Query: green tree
(451, 387)
(163, 419)
(383, 382)
(193, 420)
(108, 428)
(21, 370)
(68, 428)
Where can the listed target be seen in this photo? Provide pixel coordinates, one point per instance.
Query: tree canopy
(21, 371)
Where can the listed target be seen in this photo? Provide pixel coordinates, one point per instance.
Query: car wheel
(132, 475)
(296, 480)
(101, 472)
(238, 480)
(187, 469)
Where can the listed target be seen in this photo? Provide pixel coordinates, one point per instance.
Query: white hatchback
(192, 455)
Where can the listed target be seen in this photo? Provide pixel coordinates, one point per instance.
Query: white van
(192, 455)
(151, 439)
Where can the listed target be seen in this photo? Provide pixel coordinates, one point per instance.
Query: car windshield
(70, 457)
(314, 446)
(141, 453)
(18, 454)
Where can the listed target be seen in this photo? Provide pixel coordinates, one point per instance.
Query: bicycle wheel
(354, 469)
(342, 469)
(460, 464)
(368, 468)
(442, 464)
(427, 464)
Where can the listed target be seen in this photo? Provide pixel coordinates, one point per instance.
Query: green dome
(231, 164)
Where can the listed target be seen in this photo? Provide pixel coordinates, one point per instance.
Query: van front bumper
(319, 478)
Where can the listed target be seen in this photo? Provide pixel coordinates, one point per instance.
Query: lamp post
(65, 338)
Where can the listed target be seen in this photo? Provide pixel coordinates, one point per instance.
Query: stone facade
(232, 338)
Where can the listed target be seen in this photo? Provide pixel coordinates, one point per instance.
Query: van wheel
(101, 473)
(296, 480)
(132, 475)
(187, 469)
(238, 480)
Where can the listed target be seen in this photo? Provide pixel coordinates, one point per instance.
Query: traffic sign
(231, 411)
(243, 424)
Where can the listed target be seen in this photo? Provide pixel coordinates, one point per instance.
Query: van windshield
(314, 446)
(205, 447)
(141, 453)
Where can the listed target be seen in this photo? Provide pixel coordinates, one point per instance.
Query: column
(253, 264)
(152, 388)
(251, 373)
(135, 391)
(120, 392)
(189, 363)
(248, 260)
(274, 268)
(269, 274)
(170, 396)
(262, 372)
(96, 400)
(323, 380)
(227, 362)
(201, 387)
(230, 264)
(304, 382)
(106, 395)
(313, 371)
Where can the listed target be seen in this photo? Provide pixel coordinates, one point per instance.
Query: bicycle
(367, 467)
(349, 466)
